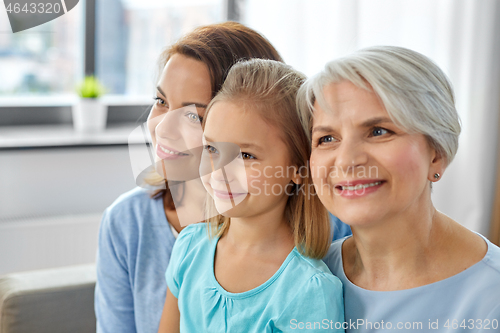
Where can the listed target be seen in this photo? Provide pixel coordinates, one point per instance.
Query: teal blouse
(302, 295)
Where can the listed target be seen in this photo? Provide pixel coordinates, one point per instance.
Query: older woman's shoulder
(333, 258)
(492, 258)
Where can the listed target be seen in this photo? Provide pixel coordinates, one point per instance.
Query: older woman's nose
(350, 154)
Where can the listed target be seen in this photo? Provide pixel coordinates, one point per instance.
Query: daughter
(259, 268)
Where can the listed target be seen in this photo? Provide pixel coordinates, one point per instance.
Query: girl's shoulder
(315, 273)
(191, 253)
(312, 286)
(195, 230)
(194, 235)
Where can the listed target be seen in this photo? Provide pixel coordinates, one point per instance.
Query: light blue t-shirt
(135, 242)
(466, 302)
(302, 296)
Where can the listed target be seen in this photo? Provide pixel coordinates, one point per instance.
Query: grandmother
(384, 128)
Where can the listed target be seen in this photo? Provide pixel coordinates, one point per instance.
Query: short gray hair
(416, 93)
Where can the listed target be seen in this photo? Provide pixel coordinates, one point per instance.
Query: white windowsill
(69, 100)
(65, 135)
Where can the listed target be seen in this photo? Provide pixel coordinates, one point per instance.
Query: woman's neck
(189, 210)
(412, 249)
(381, 255)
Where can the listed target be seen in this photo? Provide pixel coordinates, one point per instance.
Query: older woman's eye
(326, 139)
(378, 131)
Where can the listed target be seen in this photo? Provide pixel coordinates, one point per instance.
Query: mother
(384, 128)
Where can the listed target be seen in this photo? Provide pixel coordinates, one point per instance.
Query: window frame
(233, 13)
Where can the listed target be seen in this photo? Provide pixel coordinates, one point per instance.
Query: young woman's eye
(379, 131)
(326, 139)
(247, 156)
(160, 101)
(194, 118)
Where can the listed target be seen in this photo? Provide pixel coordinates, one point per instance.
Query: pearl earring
(436, 176)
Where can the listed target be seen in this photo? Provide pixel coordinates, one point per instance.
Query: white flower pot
(89, 115)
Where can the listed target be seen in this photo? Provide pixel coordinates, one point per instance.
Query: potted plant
(89, 114)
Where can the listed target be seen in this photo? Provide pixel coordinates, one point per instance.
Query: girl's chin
(232, 213)
(227, 209)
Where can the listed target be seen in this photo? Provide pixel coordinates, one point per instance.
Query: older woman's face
(365, 168)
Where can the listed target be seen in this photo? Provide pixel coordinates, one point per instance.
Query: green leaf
(90, 88)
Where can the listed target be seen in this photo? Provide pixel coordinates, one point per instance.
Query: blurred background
(55, 182)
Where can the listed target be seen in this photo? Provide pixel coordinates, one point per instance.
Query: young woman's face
(364, 167)
(253, 178)
(182, 94)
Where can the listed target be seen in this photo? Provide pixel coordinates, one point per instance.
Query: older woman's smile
(357, 188)
(377, 170)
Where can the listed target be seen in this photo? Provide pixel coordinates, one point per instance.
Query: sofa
(58, 300)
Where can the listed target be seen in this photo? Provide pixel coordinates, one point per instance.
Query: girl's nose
(220, 175)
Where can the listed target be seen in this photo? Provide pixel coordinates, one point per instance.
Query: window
(44, 60)
(131, 34)
(129, 37)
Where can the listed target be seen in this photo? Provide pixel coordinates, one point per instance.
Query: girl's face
(364, 167)
(182, 95)
(257, 178)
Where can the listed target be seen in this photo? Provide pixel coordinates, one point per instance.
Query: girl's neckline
(433, 285)
(255, 290)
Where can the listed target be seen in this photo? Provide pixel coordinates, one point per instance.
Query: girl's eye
(326, 139)
(211, 149)
(194, 118)
(247, 156)
(159, 101)
(379, 131)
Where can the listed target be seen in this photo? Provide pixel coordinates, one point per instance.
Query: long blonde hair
(270, 88)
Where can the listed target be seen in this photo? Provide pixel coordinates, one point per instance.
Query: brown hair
(270, 88)
(219, 46)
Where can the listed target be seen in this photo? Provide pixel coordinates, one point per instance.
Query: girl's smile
(244, 179)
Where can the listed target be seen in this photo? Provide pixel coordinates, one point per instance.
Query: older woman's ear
(437, 166)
